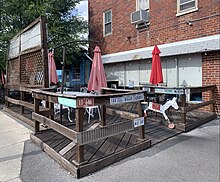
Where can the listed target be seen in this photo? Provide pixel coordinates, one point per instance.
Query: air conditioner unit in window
(141, 16)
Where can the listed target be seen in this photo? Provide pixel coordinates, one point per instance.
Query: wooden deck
(96, 154)
(109, 150)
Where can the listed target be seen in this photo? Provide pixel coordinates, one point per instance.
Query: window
(76, 72)
(186, 6)
(108, 22)
(143, 4)
(67, 80)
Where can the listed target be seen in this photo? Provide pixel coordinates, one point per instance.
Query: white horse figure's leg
(165, 116)
(69, 112)
(170, 124)
(145, 112)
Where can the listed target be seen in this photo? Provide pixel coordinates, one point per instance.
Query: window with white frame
(186, 6)
(143, 4)
(107, 22)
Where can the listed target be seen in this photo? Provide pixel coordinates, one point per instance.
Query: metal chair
(57, 109)
(90, 109)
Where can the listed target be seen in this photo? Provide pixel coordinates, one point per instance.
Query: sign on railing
(169, 91)
(85, 102)
(127, 98)
(74, 103)
(138, 122)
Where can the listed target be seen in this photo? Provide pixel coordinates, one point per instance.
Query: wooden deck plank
(132, 141)
(62, 145)
(134, 108)
(67, 148)
(124, 141)
(100, 152)
(55, 144)
(116, 119)
(46, 135)
(99, 164)
(114, 144)
(65, 163)
(111, 119)
(87, 147)
(90, 150)
(149, 127)
(54, 140)
(68, 155)
(160, 134)
(129, 106)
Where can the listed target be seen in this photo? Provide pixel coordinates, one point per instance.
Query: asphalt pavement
(188, 157)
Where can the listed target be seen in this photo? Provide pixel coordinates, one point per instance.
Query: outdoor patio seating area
(83, 147)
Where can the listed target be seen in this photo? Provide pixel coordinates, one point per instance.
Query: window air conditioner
(140, 16)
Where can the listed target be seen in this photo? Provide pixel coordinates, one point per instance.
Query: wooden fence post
(183, 103)
(36, 110)
(211, 97)
(103, 111)
(79, 128)
(141, 128)
(51, 107)
(103, 115)
(7, 93)
(22, 98)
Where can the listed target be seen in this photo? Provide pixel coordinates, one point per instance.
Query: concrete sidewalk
(12, 138)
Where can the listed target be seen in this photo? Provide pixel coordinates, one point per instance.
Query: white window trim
(137, 5)
(190, 10)
(142, 27)
(104, 23)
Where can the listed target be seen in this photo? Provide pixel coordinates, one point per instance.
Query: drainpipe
(177, 72)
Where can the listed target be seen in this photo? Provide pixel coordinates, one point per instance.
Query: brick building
(187, 33)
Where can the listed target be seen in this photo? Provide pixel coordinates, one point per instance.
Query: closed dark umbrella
(97, 77)
(52, 69)
(156, 75)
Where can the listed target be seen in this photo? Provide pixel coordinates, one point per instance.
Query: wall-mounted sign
(138, 122)
(169, 91)
(127, 98)
(84, 102)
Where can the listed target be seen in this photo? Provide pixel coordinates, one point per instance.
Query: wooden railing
(78, 135)
(182, 92)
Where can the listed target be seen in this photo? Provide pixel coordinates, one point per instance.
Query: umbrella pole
(62, 83)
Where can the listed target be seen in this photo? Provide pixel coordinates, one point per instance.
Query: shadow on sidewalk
(1, 106)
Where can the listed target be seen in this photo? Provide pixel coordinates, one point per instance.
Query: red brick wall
(211, 75)
(165, 26)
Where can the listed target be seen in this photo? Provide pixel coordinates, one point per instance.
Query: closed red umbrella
(97, 77)
(3, 78)
(156, 75)
(52, 69)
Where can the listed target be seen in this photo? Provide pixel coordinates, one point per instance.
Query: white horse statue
(162, 108)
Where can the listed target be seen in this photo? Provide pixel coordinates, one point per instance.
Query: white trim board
(209, 43)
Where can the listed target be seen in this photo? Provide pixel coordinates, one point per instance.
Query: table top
(77, 93)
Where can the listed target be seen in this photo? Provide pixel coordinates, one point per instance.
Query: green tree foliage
(62, 25)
